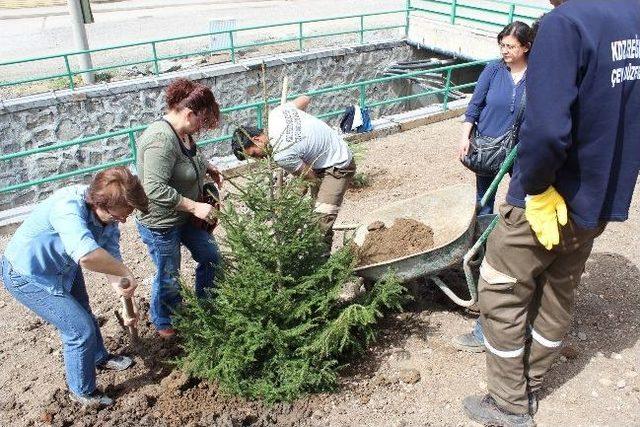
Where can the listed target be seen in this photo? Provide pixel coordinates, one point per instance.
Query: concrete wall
(452, 40)
(46, 119)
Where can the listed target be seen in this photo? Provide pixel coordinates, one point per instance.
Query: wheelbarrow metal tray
(450, 212)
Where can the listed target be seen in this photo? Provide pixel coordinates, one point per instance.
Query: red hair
(184, 93)
(117, 187)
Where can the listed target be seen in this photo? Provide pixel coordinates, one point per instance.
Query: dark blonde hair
(117, 187)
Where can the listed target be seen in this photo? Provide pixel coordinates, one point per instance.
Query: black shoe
(486, 411)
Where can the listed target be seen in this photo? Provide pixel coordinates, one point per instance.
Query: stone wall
(43, 120)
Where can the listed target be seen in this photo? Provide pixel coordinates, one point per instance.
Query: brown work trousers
(526, 297)
(328, 192)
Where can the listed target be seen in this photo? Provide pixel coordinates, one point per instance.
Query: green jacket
(167, 175)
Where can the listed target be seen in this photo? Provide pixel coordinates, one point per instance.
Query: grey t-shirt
(299, 138)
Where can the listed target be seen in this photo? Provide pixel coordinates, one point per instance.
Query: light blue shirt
(47, 247)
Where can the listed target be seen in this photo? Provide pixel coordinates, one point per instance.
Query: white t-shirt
(299, 138)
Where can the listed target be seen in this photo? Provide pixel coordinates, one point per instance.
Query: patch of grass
(63, 83)
(360, 180)
(105, 76)
(358, 150)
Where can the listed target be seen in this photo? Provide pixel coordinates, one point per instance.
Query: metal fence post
(69, 73)
(259, 115)
(134, 150)
(156, 69)
(454, 6)
(445, 103)
(406, 18)
(363, 95)
(233, 49)
(361, 29)
(512, 11)
(300, 36)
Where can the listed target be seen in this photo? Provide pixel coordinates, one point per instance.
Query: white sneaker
(116, 363)
(94, 400)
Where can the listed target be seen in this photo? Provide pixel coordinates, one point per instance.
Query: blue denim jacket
(47, 247)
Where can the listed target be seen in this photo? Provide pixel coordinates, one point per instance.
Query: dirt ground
(410, 377)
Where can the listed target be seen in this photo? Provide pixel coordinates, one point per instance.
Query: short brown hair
(117, 187)
(185, 93)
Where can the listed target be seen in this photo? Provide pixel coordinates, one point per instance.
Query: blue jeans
(71, 315)
(164, 248)
(482, 185)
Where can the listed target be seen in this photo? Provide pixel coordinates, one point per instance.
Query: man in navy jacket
(577, 167)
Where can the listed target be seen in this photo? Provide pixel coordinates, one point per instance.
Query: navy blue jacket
(496, 100)
(581, 131)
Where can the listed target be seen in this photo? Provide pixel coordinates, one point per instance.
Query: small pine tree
(274, 327)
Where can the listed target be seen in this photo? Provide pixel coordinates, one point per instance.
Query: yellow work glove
(544, 212)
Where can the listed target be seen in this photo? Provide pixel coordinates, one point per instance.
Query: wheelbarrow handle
(472, 257)
(474, 254)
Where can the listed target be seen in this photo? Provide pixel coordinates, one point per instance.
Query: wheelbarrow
(459, 235)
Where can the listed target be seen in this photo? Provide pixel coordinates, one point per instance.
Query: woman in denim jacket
(76, 228)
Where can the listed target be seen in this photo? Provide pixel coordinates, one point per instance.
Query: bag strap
(520, 115)
(195, 168)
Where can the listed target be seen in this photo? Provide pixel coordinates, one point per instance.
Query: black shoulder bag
(486, 154)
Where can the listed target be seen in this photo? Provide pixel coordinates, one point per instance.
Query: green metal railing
(483, 13)
(232, 49)
(257, 107)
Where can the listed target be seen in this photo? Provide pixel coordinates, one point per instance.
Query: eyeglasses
(119, 218)
(508, 47)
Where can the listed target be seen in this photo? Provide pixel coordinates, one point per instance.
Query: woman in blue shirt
(75, 227)
(493, 109)
(494, 105)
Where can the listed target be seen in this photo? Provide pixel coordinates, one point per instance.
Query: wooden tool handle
(127, 304)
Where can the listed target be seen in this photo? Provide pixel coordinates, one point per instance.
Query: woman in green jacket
(172, 170)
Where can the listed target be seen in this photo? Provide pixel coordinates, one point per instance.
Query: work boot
(468, 342)
(486, 411)
(93, 400)
(116, 363)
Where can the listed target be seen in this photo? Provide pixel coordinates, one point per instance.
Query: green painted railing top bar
(492, 13)
(232, 47)
(258, 107)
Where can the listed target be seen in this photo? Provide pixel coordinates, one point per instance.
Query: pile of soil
(405, 237)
